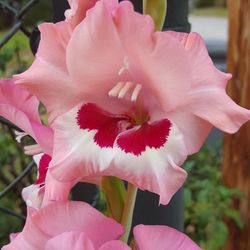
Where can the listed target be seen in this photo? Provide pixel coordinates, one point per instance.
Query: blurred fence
(9, 185)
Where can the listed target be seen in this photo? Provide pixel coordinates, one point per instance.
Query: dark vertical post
(147, 211)
(59, 7)
(177, 16)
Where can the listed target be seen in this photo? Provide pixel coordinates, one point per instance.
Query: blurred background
(216, 194)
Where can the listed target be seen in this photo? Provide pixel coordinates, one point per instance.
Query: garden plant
(126, 103)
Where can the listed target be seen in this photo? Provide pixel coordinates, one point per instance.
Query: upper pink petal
(77, 11)
(48, 78)
(21, 108)
(154, 60)
(206, 103)
(203, 108)
(161, 238)
(203, 69)
(69, 241)
(114, 245)
(59, 217)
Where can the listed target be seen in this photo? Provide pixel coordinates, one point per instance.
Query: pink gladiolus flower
(21, 108)
(125, 100)
(66, 225)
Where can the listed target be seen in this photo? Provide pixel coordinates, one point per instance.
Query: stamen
(115, 91)
(125, 66)
(20, 135)
(125, 89)
(33, 149)
(136, 92)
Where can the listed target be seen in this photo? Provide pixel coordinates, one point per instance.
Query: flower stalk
(115, 193)
(127, 215)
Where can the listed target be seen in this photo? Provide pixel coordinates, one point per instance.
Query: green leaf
(235, 216)
(115, 192)
(157, 9)
(219, 235)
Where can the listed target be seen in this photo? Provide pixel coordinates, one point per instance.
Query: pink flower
(21, 108)
(125, 100)
(67, 225)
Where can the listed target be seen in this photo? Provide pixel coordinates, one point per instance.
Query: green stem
(127, 215)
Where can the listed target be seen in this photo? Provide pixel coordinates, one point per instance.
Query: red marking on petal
(152, 135)
(42, 168)
(107, 125)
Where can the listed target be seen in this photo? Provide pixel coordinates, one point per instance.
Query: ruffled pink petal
(114, 245)
(137, 140)
(215, 106)
(206, 102)
(77, 11)
(59, 217)
(125, 52)
(161, 238)
(56, 190)
(21, 108)
(69, 241)
(155, 170)
(19, 243)
(13, 236)
(80, 157)
(203, 108)
(194, 129)
(203, 69)
(48, 78)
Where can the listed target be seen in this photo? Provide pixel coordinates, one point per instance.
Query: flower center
(130, 132)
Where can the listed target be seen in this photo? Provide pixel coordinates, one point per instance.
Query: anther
(125, 89)
(33, 149)
(136, 92)
(115, 91)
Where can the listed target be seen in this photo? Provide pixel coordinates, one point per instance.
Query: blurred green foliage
(12, 162)
(207, 200)
(14, 58)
